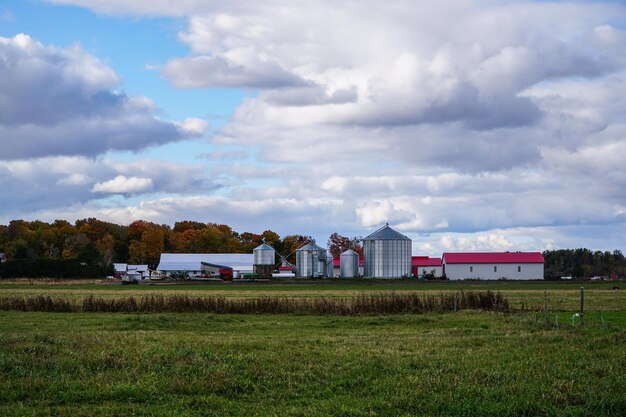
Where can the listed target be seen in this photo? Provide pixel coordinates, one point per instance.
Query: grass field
(465, 363)
(564, 296)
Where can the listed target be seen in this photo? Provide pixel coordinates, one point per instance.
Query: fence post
(455, 302)
(582, 305)
(545, 308)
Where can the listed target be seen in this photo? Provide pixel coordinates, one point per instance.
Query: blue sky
(467, 125)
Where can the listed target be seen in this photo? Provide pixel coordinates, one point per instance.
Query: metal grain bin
(387, 254)
(311, 261)
(264, 260)
(329, 265)
(349, 264)
(264, 254)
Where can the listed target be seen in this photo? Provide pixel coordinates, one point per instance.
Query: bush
(411, 303)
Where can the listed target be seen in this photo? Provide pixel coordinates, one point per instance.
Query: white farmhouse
(493, 265)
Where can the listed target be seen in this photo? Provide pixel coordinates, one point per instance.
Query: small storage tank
(264, 260)
(311, 261)
(349, 264)
(329, 265)
(387, 254)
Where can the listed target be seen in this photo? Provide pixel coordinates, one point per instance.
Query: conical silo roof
(310, 246)
(349, 252)
(386, 233)
(263, 246)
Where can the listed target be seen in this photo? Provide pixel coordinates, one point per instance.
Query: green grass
(192, 364)
(564, 296)
(197, 364)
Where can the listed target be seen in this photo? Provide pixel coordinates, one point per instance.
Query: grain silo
(264, 260)
(311, 261)
(387, 254)
(349, 264)
(329, 265)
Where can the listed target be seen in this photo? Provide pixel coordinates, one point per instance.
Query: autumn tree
(153, 241)
(337, 244)
(288, 245)
(181, 226)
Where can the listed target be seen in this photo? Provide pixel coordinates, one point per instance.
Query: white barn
(191, 263)
(493, 265)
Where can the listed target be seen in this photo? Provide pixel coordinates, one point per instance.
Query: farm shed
(493, 265)
(422, 265)
(191, 263)
(138, 270)
(119, 269)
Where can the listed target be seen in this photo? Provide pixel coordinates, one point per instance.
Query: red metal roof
(493, 257)
(425, 261)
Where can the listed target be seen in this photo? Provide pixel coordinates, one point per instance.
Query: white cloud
(469, 125)
(220, 71)
(62, 101)
(123, 185)
(54, 182)
(194, 126)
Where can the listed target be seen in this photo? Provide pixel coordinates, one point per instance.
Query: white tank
(349, 264)
(264, 254)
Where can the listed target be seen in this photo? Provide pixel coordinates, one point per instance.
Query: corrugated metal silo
(349, 264)
(329, 265)
(387, 254)
(310, 261)
(264, 254)
(264, 260)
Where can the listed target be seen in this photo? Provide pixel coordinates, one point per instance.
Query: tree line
(96, 242)
(89, 244)
(583, 263)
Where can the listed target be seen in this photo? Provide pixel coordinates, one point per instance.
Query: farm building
(387, 254)
(423, 265)
(140, 271)
(493, 265)
(119, 269)
(136, 272)
(191, 263)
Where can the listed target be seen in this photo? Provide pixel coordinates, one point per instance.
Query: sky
(487, 125)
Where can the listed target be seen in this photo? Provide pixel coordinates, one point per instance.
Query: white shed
(493, 265)
(191, 263)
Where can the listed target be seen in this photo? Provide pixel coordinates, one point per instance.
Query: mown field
(564, 296)
(188, 364)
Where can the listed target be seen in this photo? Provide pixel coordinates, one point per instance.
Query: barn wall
(485, 271)
(438, 270)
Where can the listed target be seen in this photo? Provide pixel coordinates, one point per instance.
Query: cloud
(423, 64)
(57, 101)
(228, 155)
(469, 125)
(56, 182)
(219, 71)
(123, 185)
(194, 126)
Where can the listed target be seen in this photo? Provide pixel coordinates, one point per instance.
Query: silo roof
(386, 233)
(264, 246)
(350, 252)
(310, 246)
